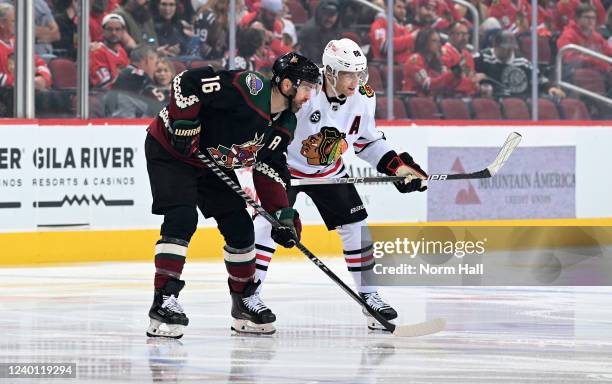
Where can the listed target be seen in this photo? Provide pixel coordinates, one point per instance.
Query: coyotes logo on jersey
(239, 155)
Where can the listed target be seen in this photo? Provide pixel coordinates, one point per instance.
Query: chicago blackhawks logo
(365, 89)
(239, 155)
(325, 147)
(254, 83)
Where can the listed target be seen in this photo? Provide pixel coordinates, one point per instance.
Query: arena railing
(573, 87)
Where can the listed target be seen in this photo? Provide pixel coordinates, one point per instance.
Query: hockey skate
(374, 301)
(166, 314)
(251, 316)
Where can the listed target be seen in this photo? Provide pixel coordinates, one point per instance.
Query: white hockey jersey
(354, 117)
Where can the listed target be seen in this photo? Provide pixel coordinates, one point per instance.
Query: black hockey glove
(185, 136)
(404, 165)
(291, 227)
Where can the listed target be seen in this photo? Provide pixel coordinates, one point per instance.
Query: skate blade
(248, 327)
(374, 325)
(159, 329)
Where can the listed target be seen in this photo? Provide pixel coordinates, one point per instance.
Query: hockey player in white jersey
(341, 117)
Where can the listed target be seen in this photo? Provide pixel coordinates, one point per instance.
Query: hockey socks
(170, 256)
(240, 265)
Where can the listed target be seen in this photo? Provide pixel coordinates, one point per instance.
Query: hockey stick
(506, 150)
(419, 329)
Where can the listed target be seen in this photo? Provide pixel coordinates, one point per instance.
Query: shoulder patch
(315, 116)
(254, 83)
(365, 89)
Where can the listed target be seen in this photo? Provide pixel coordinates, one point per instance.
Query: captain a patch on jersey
(315, 117)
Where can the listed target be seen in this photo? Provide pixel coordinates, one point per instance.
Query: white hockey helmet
(345, 55)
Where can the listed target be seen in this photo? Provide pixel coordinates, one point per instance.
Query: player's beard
(295, 107)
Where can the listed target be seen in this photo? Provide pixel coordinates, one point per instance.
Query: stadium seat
(574, 109)
(399, 110)
(375, 79)
(515, 108)
(454, 109)
(398, 76)
(486, 109)
(544, 52)
(547, 110)
(179, 66)
(352, 35)
(423, 108)
(64, 73)
(198, 63)
(297, 12)
(590, 79)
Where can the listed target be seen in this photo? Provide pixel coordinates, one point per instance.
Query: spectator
(403, 36)
(212, 28)
(566, 11)
(289, 32)
(426, 15)
(42, 76)
(508, 74)
(319, 30)
(251, 52)
(269, 16)
(424, 72)
(46, 30)
(97, 11)
(109, 58)
(164, 73)
(133, 95)
(514, 15)
(173, 34)
(581, 31)
(455, 53)
(606, 29)
(66, 19)
(138, 23)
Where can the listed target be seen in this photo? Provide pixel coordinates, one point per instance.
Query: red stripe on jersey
(300, 174)
(359, 259)
(262, 257)
(359, 145)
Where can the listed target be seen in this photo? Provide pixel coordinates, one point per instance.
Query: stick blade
(512, 141)
(420, 329)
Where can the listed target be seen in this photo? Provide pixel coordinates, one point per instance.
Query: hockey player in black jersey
(237, 119)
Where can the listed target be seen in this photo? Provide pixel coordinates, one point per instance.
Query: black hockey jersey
(237, 130)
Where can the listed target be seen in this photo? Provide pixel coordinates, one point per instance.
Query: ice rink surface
(96, 315)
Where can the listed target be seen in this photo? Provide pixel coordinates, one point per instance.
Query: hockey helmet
(345, 55)
(296, 68)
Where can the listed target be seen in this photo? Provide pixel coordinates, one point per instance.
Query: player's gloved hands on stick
(291, 227)
(185, 136)
(404, 165)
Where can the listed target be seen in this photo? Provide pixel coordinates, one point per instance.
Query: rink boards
(75, 191)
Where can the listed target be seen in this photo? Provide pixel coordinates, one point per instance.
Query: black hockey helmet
(296, 68)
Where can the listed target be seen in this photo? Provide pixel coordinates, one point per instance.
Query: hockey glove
(185, 136)
(404, 165)
(291, 227)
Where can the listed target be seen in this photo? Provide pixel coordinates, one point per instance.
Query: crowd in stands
(137, 46)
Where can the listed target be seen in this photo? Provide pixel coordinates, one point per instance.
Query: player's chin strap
(419, 329)
(333, 87)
